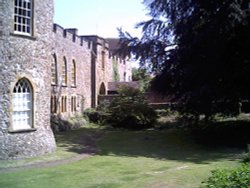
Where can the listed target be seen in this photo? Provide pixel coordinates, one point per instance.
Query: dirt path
(90, 150)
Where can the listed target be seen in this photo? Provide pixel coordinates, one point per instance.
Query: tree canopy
(143, 77)
(198, 50)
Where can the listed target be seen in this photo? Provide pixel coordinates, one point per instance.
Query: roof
(114, 86)
(114, 44)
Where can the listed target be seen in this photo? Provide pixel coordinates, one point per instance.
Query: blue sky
(100, 17)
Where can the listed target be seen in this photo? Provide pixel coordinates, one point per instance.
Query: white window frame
(23, 17)
(22, 103)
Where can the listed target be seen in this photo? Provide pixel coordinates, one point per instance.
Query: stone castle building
(47, 70)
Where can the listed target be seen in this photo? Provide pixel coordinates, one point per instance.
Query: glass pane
(22, 105)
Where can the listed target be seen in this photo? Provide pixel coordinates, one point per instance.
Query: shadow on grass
(225, 133)
(195, 146)
(79, 141)
(164, 145)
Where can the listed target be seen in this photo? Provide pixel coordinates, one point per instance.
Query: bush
(130, 110)
(58, 124)
(239, 177)
(246, 156)
(96, 115)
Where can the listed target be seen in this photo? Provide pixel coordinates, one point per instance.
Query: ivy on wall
(116, 76)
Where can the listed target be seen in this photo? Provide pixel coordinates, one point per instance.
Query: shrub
(130, 110)
(58, 124)
(246, 156)
(96, 115)
(239, 177)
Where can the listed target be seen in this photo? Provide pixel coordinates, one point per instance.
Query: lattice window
(64, 72)
(22, 105)
(73, 72)
(23, 17)
(54, 70)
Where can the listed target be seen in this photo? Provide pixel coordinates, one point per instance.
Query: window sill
(22, 130)
(54, 84)
(73, 86)
(23, 36)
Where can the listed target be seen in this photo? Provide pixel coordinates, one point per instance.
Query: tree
(208, 65)
(144, 78)
(116, 75)
(131, 110)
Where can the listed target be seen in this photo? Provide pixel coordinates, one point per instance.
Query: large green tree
(199, 51)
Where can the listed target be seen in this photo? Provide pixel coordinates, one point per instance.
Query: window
(73, 72)
(64, 104)
(22, 105)
(54, 70)
(53, 104)
(103, 60)
(64, 72)
(73, 104)
(23, 17)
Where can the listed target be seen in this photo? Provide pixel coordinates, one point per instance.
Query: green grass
(147, 159)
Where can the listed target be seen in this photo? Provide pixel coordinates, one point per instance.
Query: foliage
(199, 52)
(143, 77)
(116, 75)
(96, 115)
(239, 177)
(130, 110)
(246, 156)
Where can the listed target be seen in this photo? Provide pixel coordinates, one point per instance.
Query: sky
(100, 17)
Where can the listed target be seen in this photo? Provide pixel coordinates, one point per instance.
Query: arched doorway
(102, 90)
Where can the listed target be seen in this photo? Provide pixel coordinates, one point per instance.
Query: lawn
(151, 158)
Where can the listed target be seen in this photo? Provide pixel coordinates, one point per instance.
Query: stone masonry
(65, 74)
(72, 47)
(26, 57)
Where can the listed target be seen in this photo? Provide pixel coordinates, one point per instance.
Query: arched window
(64, 72)
(54, 70)
(22, 105)
(73, 72)
(23, 17)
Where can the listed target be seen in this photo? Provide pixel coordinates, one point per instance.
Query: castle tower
(26, 41)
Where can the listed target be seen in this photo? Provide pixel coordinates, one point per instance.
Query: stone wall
(101, 67)
(26, 57)
(31, 57)
(72, 47)
(121, 64)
